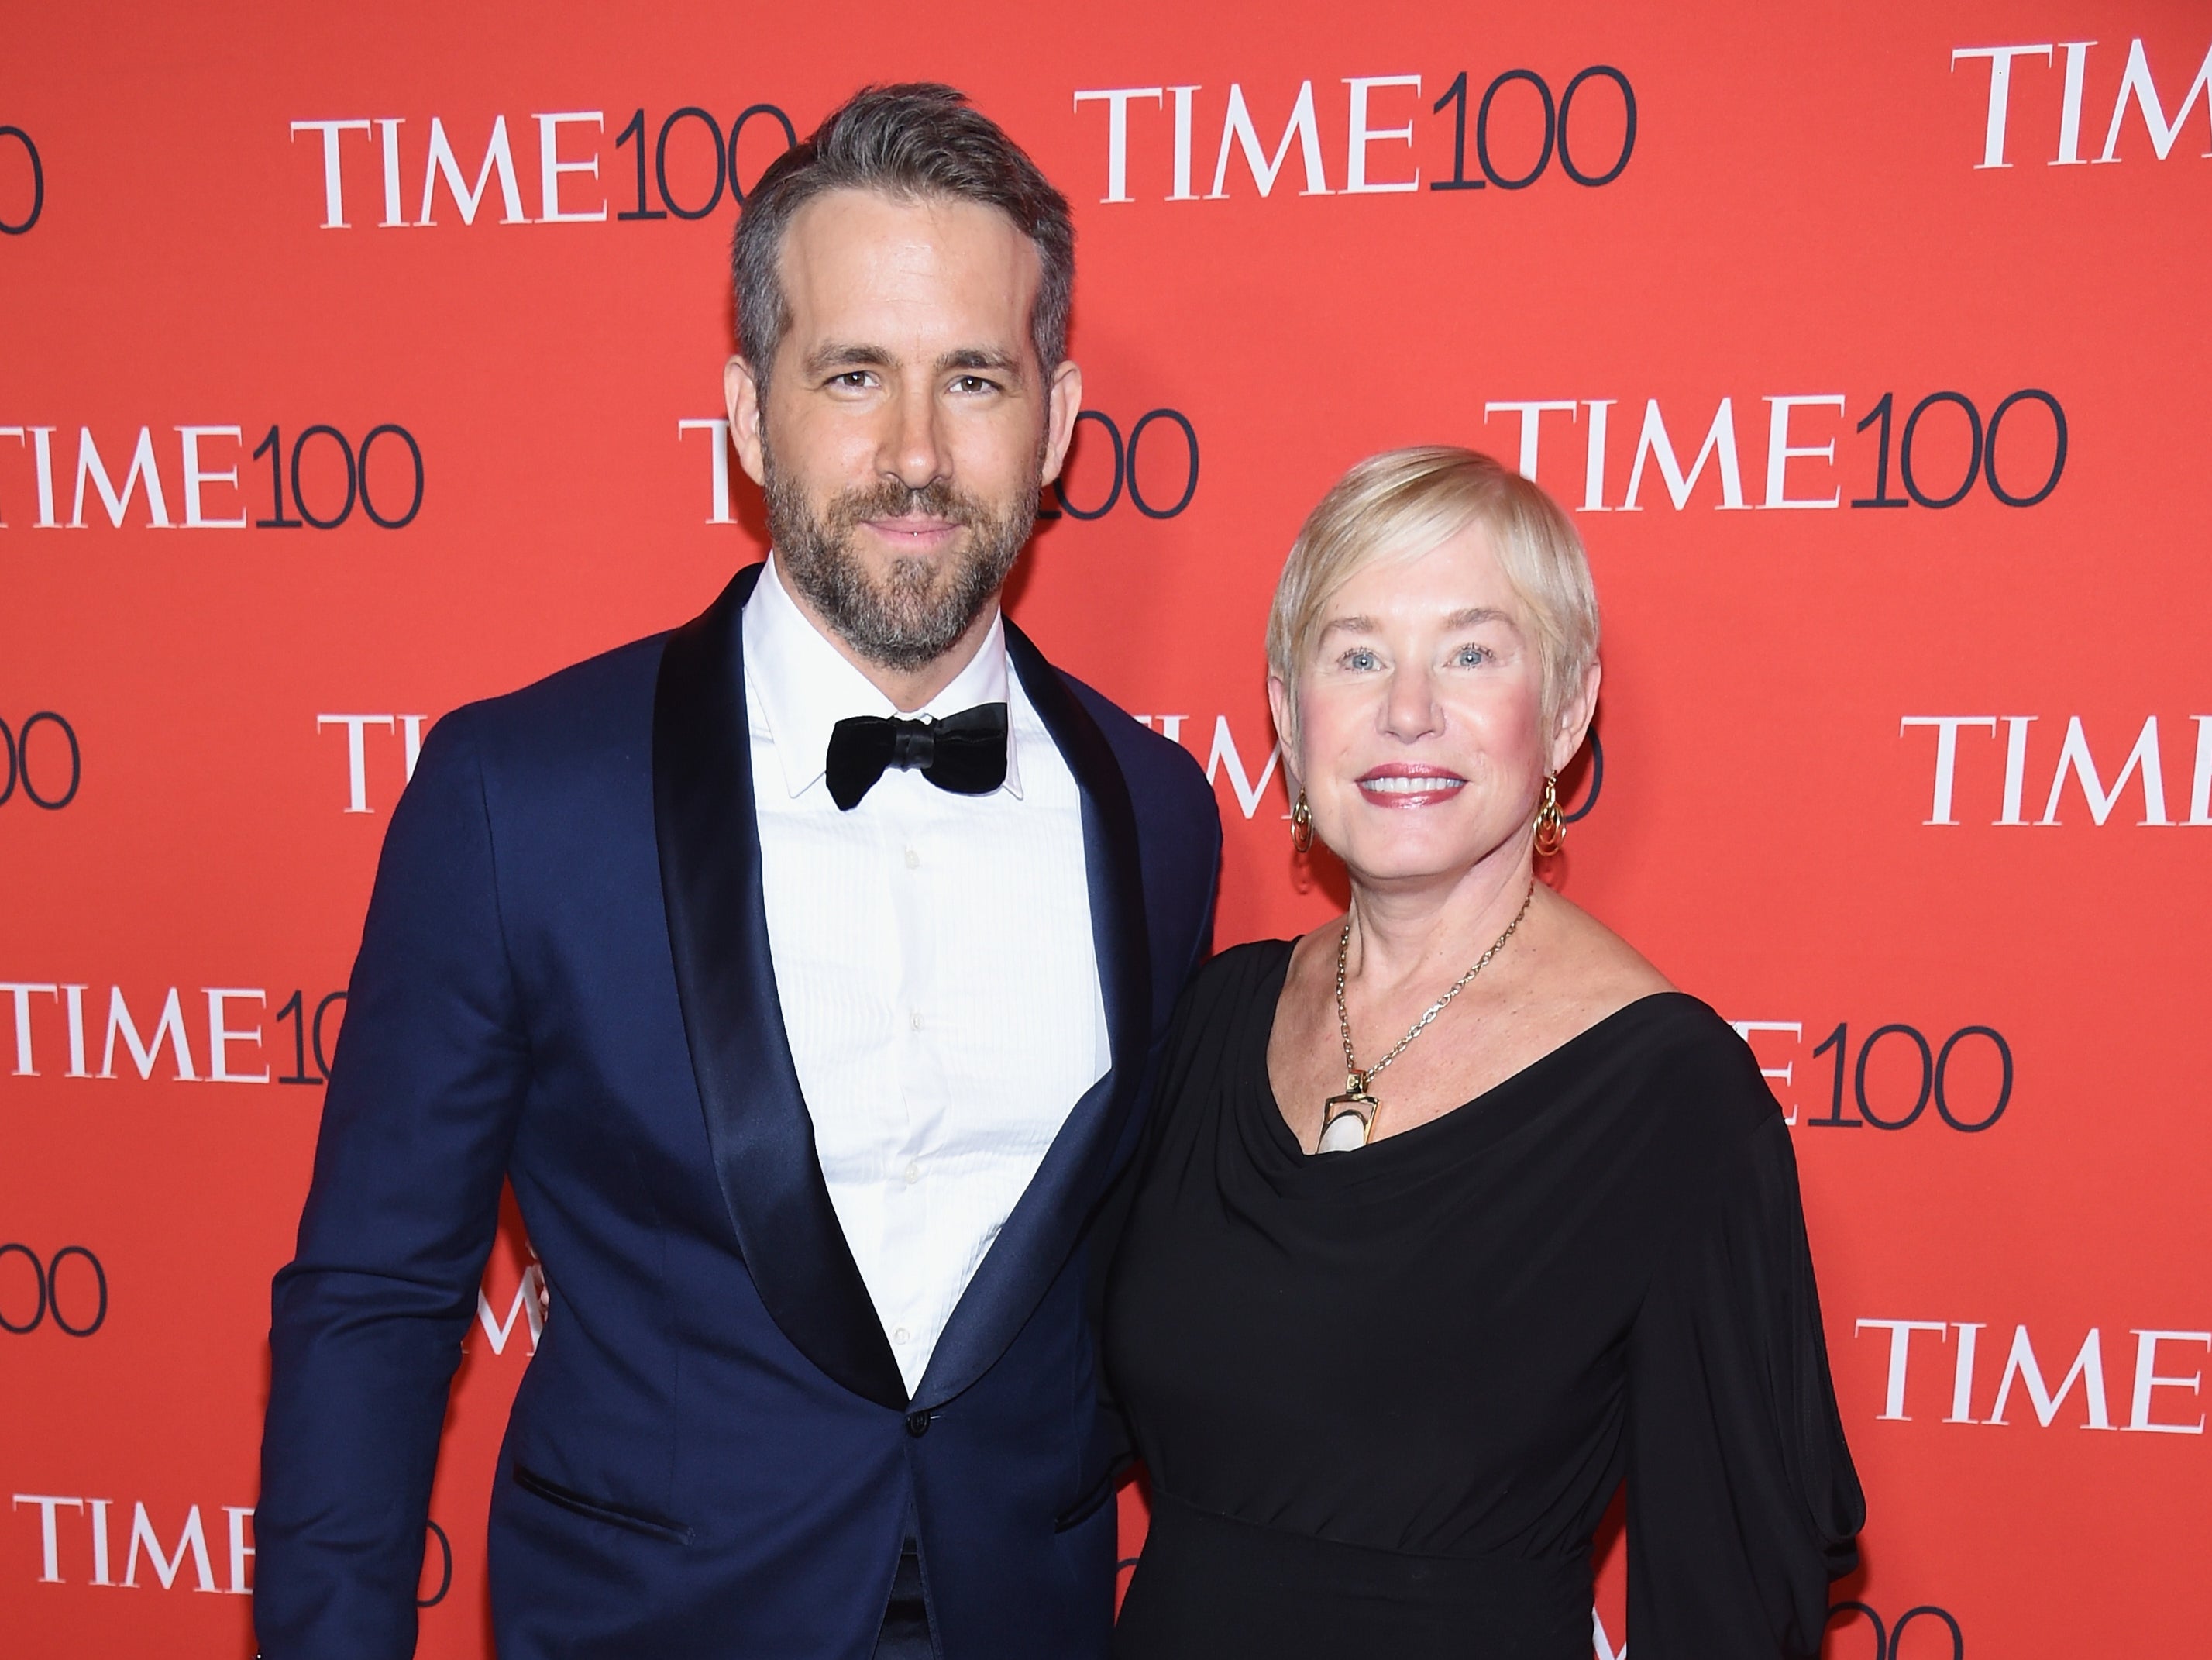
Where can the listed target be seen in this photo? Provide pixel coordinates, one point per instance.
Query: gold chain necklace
(1348, 1120)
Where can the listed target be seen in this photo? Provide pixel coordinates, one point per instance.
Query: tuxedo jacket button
(917, 1424)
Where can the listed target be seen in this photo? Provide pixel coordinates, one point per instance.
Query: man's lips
(1402, 785)
(914, 532)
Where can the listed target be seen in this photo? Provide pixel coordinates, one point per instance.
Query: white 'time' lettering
(556, 130)
(1116, 99)
(2138, 91)
(1360, 134)
(2022, 1370)
(2076, 764)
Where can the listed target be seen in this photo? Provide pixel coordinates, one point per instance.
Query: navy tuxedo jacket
(564, 981)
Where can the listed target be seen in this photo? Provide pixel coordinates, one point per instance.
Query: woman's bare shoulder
(1593, 967)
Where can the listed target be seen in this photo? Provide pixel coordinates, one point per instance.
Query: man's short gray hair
(917, 141)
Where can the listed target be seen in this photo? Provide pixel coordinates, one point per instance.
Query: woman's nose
(1411, 710)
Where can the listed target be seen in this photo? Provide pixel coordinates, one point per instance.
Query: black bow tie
(965, 753)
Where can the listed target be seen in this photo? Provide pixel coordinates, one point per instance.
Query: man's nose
(915, 450)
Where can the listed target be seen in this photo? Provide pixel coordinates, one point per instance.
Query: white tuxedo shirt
(934, 963)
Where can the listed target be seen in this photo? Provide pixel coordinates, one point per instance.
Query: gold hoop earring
(1551, 823)
(1302, 834)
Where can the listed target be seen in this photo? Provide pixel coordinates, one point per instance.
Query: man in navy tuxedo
(803, 968)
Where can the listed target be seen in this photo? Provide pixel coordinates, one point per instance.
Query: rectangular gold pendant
(1346, 1119)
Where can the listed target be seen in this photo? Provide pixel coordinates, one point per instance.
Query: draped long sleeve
(1742, 1503)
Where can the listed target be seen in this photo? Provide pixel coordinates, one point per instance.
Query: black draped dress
(1385, 1396)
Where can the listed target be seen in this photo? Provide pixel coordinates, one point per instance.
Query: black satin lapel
(1035, 1243)
(757, 1125)
(1111, 858)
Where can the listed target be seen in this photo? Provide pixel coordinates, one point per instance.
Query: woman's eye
(1360, 658)
(1472, 657)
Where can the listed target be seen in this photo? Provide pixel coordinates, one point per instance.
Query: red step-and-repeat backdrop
(352, 367)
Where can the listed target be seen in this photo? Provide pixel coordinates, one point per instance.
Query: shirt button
(912, 1171)
(900, 1334)
(912, 859)
(915, 1019)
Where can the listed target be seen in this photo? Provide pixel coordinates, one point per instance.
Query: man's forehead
(850, 247)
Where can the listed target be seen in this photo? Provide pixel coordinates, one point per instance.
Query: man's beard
(922, 607)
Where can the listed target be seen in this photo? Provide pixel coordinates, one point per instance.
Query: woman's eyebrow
(1347, 625)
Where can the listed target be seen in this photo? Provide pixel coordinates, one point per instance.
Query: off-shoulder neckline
(1269, 994)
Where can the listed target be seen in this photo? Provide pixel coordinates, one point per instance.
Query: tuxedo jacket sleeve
(369, 1316)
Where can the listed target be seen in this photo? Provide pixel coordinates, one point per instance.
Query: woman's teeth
(1410, 785)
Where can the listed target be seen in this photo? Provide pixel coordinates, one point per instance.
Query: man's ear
(741, 396)
(1063, 402)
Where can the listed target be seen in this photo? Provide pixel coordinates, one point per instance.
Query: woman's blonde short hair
(1406, 503)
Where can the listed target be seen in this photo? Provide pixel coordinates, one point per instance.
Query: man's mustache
(892, 499)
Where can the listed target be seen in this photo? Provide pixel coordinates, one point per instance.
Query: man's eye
(972, 383)
(851, 380)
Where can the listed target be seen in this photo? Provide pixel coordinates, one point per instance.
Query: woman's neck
(1404, 932)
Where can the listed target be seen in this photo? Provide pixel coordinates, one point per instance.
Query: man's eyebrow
(840, 354)
(981, 357)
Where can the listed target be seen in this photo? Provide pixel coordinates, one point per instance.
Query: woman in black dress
(1454, 1214)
